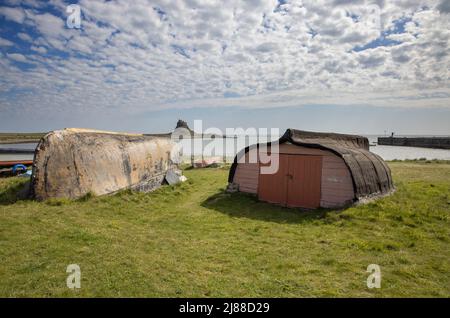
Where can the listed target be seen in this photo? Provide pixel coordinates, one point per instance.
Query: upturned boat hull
(71, 163)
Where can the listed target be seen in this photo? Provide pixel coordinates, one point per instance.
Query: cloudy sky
(362, 66)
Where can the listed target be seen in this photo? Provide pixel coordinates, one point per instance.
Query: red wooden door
(272, 187)
(304, 181)
(296, 184)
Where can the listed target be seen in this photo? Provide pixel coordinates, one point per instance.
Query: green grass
(9, 138)
(195, 240)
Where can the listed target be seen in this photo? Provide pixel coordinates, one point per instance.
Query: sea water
(233, 146)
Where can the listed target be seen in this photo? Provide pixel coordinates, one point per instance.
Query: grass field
(195, 240)
(12, 138)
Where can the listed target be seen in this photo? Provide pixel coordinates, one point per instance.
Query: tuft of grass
(196, 240)
(11, 188)
(421, 160)
(88, 196)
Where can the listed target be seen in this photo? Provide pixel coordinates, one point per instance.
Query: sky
(360, 66)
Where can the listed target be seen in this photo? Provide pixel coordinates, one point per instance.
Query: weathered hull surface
(70, 163)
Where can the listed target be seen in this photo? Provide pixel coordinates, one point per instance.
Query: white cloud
(16, 57)
(5, 42)
(49, 25)
(24, 37)
(401, 37)
(138, 56)
(39, 49)
(13, 14)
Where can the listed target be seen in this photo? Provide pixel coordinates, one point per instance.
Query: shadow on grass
(14, 192)
(241, 205)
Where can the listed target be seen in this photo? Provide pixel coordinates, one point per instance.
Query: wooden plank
(304, 182)
(247, 177)
(326, 204)
(337, 198)
(273, 187)
(337, 185)
(247, 190)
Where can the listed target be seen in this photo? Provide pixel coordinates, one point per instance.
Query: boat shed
(314, 170)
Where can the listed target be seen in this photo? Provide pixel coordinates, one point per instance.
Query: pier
(423, 142)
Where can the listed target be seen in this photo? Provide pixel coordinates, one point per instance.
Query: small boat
(14, 168)
(10, 163)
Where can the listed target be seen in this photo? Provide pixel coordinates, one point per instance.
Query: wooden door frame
(288, 156)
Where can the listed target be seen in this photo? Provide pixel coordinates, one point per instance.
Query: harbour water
(29, 146)
(232, 147)
(404, 153)
(17, 156)
(385, 152)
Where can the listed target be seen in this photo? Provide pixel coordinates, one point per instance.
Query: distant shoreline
(20, 138)
(423, 142)
(19, 141)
